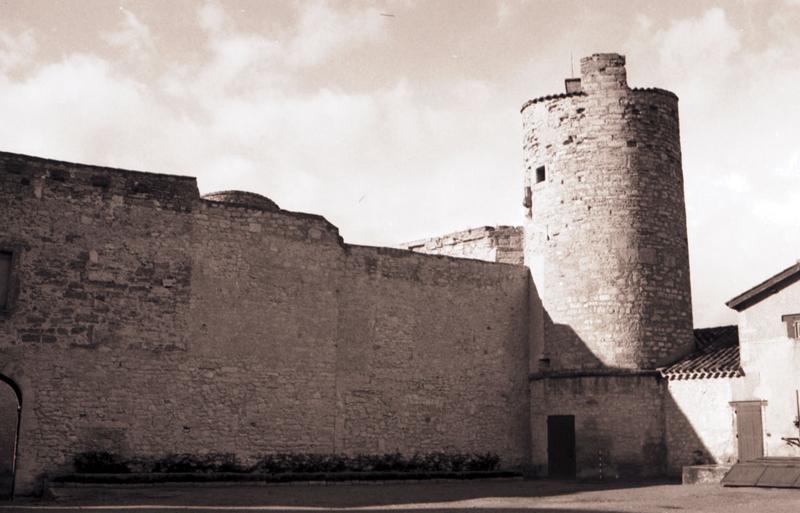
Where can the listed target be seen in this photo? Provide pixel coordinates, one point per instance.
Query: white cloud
(212, 17)
(16, 50)
(698, 43)
(132, 35)
(400, 161)
(237, 120)
(697, 52)
(738, 137)
(504, 13)
(322, 30)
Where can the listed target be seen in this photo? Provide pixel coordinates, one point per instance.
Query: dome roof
(243, 199)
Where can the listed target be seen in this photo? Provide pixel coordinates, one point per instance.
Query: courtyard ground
(487, 496)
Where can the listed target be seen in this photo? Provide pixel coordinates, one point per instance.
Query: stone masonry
(489, 243)
(150, 321)
(605, 239)
(143, 319)
(605, 234)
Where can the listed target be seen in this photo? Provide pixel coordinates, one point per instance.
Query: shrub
(281, 463)
(189, 463)
(288, 463)
(99, 462)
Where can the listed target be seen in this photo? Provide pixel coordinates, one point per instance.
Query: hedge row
(286, 463)
(122, 479)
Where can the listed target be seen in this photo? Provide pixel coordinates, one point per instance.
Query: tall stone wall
(102, 276)
(148, 321)
(489, 243)
(432, 354)
(605, 235)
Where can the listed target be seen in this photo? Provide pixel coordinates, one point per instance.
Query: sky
(399, 120)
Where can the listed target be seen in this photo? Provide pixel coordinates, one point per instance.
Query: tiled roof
(716, 356)
(550, 97)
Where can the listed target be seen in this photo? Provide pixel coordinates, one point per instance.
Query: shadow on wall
(624, 422)
(563, 348)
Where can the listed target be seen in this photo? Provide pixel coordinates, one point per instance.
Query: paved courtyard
(474, 497)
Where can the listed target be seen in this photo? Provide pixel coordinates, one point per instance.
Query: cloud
(739, 147)
(132, 35)
(16, 50)
(405, 160)
(319, 32)
(696, 43)
(699, 50)
(504, 13)
(212, 17)
(322, 30)
(235, 118)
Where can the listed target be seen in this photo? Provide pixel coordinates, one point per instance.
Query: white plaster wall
(700, 418)
(771, 361)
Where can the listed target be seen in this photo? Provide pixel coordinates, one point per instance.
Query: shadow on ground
(396, 495)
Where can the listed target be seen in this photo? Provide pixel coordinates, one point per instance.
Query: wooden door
(749, 431)
(9, 424)
(561, 446)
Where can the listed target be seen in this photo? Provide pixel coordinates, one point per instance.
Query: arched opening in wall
(10, 409)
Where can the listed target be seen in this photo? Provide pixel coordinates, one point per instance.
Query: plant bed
(286, 477)
(99, 462)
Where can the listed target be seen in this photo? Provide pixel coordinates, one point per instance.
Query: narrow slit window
(540, 174)
(5, 278)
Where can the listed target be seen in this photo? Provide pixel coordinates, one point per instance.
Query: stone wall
(489, 243)
(433, 354)
(619, 423)
(149, 321)
(605, 235)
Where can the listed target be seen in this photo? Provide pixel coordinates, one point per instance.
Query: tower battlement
(603, 71)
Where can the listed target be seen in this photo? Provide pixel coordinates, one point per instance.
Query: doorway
(10, 409)
(749, 430)
(561, 446)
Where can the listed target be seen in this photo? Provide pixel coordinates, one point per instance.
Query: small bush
(99, 462)
(281, 463)
(188, 463)
(288, 463)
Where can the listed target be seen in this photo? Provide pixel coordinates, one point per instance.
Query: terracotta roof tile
(550, 97)
(716, 356)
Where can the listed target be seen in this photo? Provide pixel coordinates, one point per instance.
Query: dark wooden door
(561, 445)
(9, 423)
(749, 432)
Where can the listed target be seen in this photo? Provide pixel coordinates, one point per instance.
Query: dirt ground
(487, 496)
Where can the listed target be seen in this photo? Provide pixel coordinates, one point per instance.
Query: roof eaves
(763, 289)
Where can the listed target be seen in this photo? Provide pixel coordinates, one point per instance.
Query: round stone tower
(605, 230)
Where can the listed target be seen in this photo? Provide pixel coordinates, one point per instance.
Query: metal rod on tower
(571, 65)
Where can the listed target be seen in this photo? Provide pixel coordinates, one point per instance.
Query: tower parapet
(605, 230)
